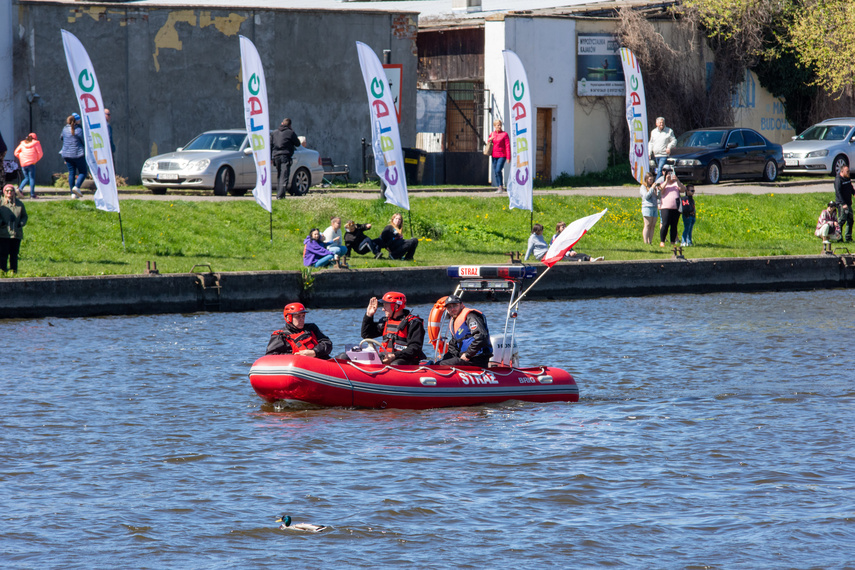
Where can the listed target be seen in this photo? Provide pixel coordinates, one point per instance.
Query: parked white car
(822, 149)
(222, 161)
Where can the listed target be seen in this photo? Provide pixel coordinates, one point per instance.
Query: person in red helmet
(299, 337)
(403, 333)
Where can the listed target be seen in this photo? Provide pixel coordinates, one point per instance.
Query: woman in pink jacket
(501, 154)
(28, 153)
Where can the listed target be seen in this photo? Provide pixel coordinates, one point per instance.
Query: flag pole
(122, 231)
(515, 303)
(271, 225)
(410, 221)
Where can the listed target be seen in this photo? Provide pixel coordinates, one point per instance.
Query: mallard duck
(303, 527)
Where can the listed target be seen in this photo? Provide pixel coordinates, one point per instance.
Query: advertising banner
(520, 183)
(636, 115)
(598, 68)
(257, 120)
(386, 140)
(99, 158)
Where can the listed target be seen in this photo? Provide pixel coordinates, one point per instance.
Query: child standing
(687, 204)
(827, 226)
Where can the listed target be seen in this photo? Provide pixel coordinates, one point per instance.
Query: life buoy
(434, 320)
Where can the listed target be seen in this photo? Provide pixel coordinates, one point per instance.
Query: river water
(713, 431)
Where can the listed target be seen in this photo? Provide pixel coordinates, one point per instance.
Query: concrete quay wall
(268, 290)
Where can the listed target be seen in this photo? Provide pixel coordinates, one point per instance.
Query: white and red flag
(570, 237)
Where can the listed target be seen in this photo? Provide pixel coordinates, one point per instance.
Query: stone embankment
(268, 290)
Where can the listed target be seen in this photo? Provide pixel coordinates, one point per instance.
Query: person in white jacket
(662, 140)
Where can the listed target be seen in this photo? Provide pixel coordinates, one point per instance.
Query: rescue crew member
(469, 344)
(403, 333)
(299, 337)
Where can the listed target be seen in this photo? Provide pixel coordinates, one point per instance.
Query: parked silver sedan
(222, 161)
(822, 149)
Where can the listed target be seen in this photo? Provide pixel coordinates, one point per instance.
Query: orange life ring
(434, 320)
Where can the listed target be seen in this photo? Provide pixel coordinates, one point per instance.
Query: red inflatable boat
(355, 384)
(363, 382)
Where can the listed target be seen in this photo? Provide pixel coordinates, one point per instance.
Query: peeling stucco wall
(168, 74)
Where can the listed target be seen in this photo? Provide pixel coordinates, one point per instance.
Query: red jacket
(29, 153)
(501, 144)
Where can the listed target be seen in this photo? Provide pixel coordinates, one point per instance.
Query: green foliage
(72, 237)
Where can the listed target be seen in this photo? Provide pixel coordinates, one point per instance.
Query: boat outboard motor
(505, 350)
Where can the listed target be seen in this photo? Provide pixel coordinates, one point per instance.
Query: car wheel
(301, 182)
(713, 175)
(158, 191)
(770, 171)
(224, 181)
(238, 191)
(839, 162)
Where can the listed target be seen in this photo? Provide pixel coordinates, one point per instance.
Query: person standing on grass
(74, 153)
(13, 218)
(669, 206)
(687, 205)
(843, 196)
(28, 153)
(649, 206)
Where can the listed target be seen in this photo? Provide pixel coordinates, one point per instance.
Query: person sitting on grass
(827, 226)
(392, 239)
(356, 240)
(537, 246)
(314, 252)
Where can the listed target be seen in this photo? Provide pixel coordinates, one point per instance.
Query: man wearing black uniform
(283, 141)
(470, 339)
(298, 337)
(403, 333)
(843, 197)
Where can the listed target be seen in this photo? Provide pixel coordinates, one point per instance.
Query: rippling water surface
(713, 431)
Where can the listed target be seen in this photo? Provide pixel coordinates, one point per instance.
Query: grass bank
(66, 238)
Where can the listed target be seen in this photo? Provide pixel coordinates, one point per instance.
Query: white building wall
(546, 47)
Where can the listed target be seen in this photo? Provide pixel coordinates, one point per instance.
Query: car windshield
(704, 139)
(216, 141)
(825, 133)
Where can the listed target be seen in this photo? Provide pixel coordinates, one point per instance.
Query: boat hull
(351, 384)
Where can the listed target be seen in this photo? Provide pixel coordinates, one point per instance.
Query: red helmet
(396, 298)
(293, 309)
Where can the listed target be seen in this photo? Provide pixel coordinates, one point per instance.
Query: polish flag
(569, 237)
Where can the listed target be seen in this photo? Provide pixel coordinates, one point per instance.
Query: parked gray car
(823, 148)
(222, 161)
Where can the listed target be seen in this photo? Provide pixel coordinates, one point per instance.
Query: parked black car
(710, 155)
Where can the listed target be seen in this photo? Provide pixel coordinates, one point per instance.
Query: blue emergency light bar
(492, 271)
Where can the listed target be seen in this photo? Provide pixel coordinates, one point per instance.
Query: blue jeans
(338, 250)
(498, 171)
(29, 178)
(660, 162)
(688, 225)
(325, 260)
(76, 166)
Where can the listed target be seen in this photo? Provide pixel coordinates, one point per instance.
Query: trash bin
(414, 165)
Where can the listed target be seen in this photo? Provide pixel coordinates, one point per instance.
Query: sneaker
(74, 197)
(825, 242)
(498, 190)
(598, 258)
(20, 194)
(77, 192)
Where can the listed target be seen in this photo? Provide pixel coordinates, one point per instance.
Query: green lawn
(73, 238)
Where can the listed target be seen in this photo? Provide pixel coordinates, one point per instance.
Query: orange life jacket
(461, 332)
